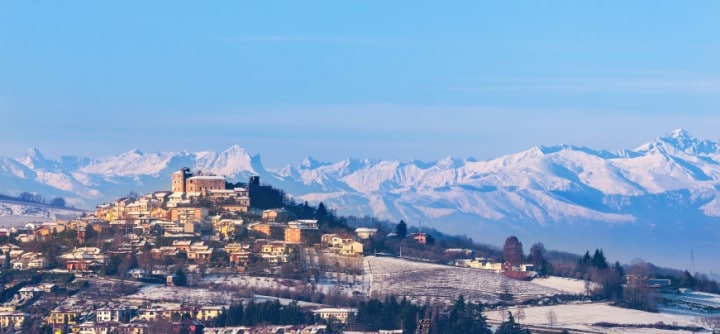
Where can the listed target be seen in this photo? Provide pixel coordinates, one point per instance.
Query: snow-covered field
(438, 283)
(328, 284)
(566, 285)
(16, 214)
(195, 295)
(691, 303)
(583, 316)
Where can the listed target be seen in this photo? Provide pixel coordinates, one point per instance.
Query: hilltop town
(92, 274)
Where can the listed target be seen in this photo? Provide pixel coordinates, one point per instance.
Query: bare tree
(513, 251)
(551, 317)
(520, 313)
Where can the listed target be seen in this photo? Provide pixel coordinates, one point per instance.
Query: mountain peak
(236, 151)
(135, 151)
(680, 133)
(680, 140)
(310, 163)
(684, 141)
(34, 153)
(35, 159)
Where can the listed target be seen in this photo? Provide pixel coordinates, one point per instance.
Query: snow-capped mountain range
(666, 186)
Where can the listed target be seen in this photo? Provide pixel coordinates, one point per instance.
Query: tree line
(375, 314)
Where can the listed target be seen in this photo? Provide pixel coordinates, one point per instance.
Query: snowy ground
(438, 283)
(691, 303)
(583, 316)
(16, 214)
(195, 295)
(566, 285)
(341, 283)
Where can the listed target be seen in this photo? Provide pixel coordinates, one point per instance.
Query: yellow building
(337, 314)
(227, 227)
(188, 214)
(351, 248)
(15, 318)
(63, 317)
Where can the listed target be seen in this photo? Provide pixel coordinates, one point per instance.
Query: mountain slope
(658, 189)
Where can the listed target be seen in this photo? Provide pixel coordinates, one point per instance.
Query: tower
(178, 180)
(254, 181)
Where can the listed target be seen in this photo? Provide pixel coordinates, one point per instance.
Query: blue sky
(376, 79)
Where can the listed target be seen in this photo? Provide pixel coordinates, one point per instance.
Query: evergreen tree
(618, 268)
(467, 318)
(509, 326)
(687, 280)
(180, 279)
(598, 260)
(537, 258)
(401, 230)
(321, 214)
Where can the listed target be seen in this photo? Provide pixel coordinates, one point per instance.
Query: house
(199, 252)
(30, 292)
(14, 318)
(63, 316)
(188, 214)
(11, 249)
(270, 216)
(302, 231)
(274, 231)
(94, 328)
(365, 232)
(331, 240)
(133, 328)
(486, 264)
(152, 313)
(337, 314)
(137, 273)
(83, 258)
(275, 252)
(160, 213)
(29, 260)
(227, 228)
(103, 211)
(419, 237)
(208, 313)
(275, 248)
(351, 248)
(120, 314)
(240, 258)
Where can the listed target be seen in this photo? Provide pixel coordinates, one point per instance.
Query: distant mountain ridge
(667, 185)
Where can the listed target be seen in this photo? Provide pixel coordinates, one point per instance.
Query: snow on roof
(335, 310)
(207, 177)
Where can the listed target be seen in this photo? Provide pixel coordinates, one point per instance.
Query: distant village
(202, 226)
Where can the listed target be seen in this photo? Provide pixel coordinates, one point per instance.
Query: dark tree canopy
(180, 278)
(509, 326)
(537, 258)
(58, 201)
(513, 251)
(598, 260)
(401, 230)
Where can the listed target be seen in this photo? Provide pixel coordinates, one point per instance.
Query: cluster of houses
(522, 271)
(134, 227)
